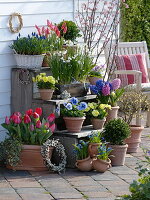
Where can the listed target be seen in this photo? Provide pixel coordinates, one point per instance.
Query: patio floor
(73, 184)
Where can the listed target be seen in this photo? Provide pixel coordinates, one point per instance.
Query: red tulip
(29, 112)
(16, 119)
(35, 115)
(18, 114)
(7, 120)
(38, 124)
(38, 111)
(51, 117)
(52, 127)
(27, 119)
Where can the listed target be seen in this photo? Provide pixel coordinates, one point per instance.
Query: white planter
(29, 61)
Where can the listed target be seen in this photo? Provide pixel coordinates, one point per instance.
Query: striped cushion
(132, 62)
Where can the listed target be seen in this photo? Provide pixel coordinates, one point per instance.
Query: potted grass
(27, 132)
(83, 162)
(45, 84)
(73, 113)
(131, 104)
(108, 93)
(102, 162)
(97, 112)
(115, 132)
(29, 51)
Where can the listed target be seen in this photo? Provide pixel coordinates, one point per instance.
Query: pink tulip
(7, 120)
(38, 124)
(18, 114)
(43, 30)
(38, 111)
(38, 29)
(16, 119)
(52, 127)
(51, 117)
(50, 25)
(64, 27)
(35, 115)
(27, 119)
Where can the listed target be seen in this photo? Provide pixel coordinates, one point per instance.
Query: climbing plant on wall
(135, 21)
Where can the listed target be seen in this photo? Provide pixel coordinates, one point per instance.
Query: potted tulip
(97, 112)
(108, 93)
(96, 74)
(102, 162)
(84, 162)
(115, 132)
(28, 132)
(131, 104)
(73, 114)
(45, 84)
(95, 140)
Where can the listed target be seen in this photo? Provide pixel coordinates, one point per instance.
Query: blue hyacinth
(74, 101)
(94, 89)
(100, 84)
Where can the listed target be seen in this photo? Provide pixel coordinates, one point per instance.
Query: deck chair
(128, 48)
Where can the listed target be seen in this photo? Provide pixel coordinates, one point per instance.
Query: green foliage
(95, 74)
(30, 45)
(95, 137)
(81, 150)
(103, 151)
(135, 21)
(116, 131)
(54, 43)
(114, 96)
(73, 64)
(72, 30)
(140, 189)
(10, 150)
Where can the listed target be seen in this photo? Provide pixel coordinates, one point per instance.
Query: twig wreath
(61, 152)
(20, 25)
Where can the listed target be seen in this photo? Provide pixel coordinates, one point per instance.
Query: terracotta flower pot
(93, 80)
(74, 124)
(118, 154)
(92, 149)
(112, 114)
(85, 164)
(31, 159)
(98, 123)
(46, 94)
(101, 165)
(134, 140)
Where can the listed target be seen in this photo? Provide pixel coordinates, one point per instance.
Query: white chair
(127, 48)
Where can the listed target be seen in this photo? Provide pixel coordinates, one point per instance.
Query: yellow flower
(87, 109)
(45, 79)
(51, 79)
(43, 74)
(108, 106)
(113, 94)
(102, 106)
(91, 105)
(95, 113)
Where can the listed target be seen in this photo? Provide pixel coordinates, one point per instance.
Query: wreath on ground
(61, 152)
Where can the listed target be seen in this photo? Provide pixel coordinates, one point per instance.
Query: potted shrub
(45, 84)
(115, 132)
(97, 112)
(95, 140)
(131, 104)
(102, 162)
(71, 68)
(29, 51)
(108, 93)
(73, 114)
(28, 132)
(96, 74)
(83, 162)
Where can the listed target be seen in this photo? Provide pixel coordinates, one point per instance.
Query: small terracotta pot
(46, 94)
(98, 123)
(112, 114)
(118, 154)
(93, 80)
(45, 61)
(92, 149)
(134, 140)
(74, 124)
(31, 159)
(101, 165)
(84, 165)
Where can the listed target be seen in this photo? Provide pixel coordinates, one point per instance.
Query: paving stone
(122, 170)
(59, 183)
(78, 178)
(128, 178)
(96, 188)
(65, 195)
(25, 184)
(84, 183)
(118, 190)
(105, 176)
(55, 189)
(103, 198)
(9, 197)
(107, 183)
(7, 191)
(98, 194)
(36, 197)
(36, 191)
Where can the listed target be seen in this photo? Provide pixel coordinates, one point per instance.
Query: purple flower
(74, 101)
(116, 83)
(100, 84)
(69, 106)
(97, 68)
(106, 90)
(82, 106)
(148, 152)
(94, 89)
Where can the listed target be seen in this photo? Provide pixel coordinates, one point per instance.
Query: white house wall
(33, 12)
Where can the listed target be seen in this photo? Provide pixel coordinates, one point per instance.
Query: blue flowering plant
(108, 92)
(74, 108)
(103, 151)
(81, 150)
(31, 45)
(96, 137)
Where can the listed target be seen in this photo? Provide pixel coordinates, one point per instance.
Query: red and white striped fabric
(131, 62)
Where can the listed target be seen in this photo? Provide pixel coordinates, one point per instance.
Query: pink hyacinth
(7, 120)
(106, 90)
(116, 83)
